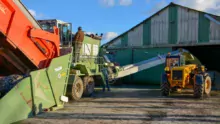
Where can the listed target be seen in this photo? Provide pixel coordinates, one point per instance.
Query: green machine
(89, 70)
(24, 96)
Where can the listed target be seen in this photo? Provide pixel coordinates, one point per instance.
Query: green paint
(204, 28)
(124, 40)
(13, 106)
(50, 84)
(124, 57)
(59, 79)
(152, 75)
(92, 42)
(42, 90)
(147, 32)
(89, 64)
(173, 24)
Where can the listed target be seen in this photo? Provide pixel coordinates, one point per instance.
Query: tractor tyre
(207, 85)
(165, 89)
(89, 85)
(198, 90)
(77, 89)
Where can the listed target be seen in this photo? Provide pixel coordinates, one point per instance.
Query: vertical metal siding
(147, 32)
(204, 28)
(159, 28)
(187, 25)
(135, 36)
(116, 43)
(173, 24)
(124, 40)
(214, 31)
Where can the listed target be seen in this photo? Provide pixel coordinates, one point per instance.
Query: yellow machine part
(184, 81)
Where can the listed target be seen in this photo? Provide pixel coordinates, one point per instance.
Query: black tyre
(198, 90)
(165, 89)
(77, 89)
(89, 85)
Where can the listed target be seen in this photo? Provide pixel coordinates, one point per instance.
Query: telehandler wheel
(77, 89)
(198, 90)
(89, 85)
(208, 85)
(165, 89)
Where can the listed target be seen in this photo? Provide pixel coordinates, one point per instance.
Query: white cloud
(111, 3)
(109, 36)
(125, 2)
(89, 33)
(36, 15)
(33, 13)
(211, 6)
(107, 2)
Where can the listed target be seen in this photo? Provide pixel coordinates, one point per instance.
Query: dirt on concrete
(135, 106)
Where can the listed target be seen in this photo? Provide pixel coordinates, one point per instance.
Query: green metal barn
(173, 26)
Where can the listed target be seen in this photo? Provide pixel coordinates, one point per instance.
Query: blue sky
(111, 17)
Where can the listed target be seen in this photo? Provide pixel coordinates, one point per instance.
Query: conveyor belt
(143, 65)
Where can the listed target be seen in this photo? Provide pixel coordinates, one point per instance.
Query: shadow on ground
(137, 105)
(149, 116)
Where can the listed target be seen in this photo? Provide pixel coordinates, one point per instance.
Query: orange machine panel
(21, 34)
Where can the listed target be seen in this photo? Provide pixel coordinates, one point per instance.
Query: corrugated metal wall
(173, 25)
(124, 40)
(215, 31)
(135, 36)
(117, 43)
(147, 32)
(204, 28)
(159, 28)
(187, 25)
(173, 22)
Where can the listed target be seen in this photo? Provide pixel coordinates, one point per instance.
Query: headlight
(167, 69)
(106, 64)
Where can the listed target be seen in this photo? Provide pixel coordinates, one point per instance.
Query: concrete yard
(125, 105)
